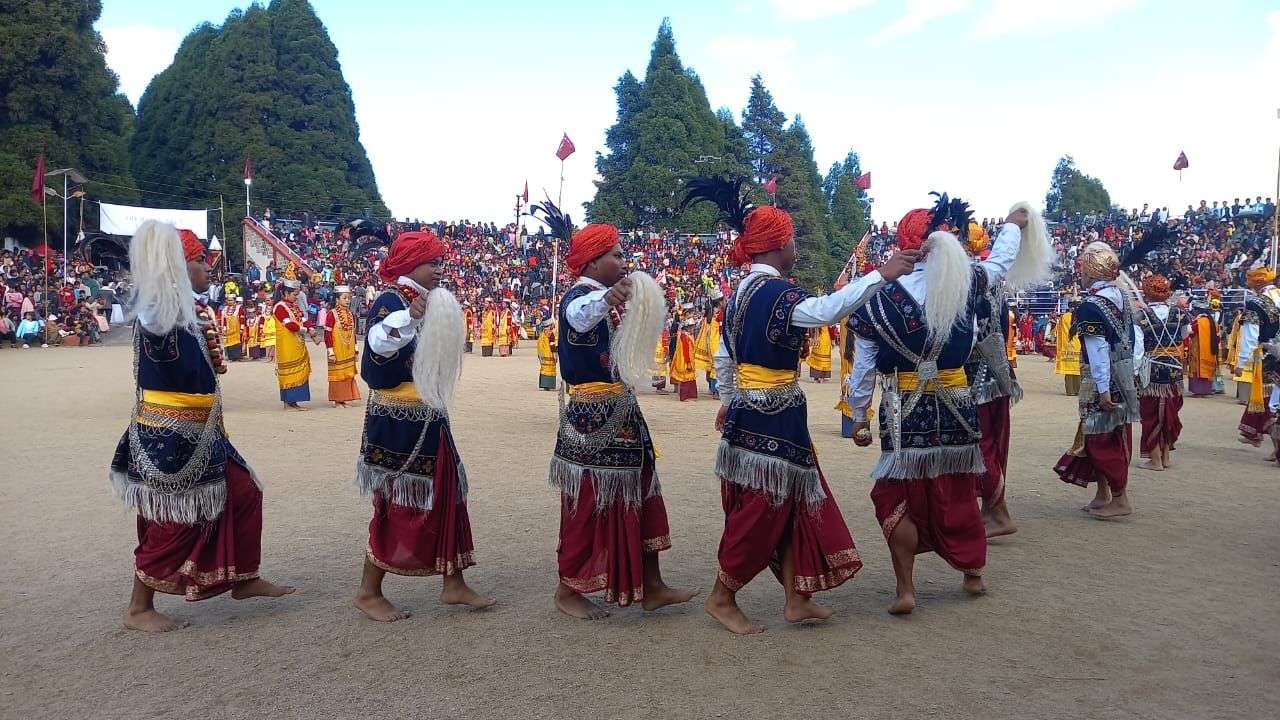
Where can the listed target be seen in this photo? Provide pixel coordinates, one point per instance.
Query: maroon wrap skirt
(1098, 458)
(993, 421)
(206, 559)
(944, 510)
(604, 550)
(412, 541)
(1160, 423)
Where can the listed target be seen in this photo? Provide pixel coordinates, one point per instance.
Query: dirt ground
(1170, 614)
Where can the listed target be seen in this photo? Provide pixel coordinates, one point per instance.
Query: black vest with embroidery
(1162, 342)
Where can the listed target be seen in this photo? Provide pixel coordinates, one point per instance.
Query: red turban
(192, 248)
(767, 228)
(913, 229)
(410, 250)
(588, 244)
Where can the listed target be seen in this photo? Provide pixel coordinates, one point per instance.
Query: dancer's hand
(619, 293)
(1104, 401)
(902, 263)
(862, 433)
(720, 416)
(418, 307)
(1018, 217)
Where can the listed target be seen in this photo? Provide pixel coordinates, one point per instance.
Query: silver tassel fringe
(404, 489)
(775, 477)
(918, 463)
(611, 484)
(202, 503)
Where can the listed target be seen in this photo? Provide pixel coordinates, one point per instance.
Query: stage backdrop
(125, 219)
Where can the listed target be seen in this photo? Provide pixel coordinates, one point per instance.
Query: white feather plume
(1033, 263)
(162, 298)
(948, 277)
(632, 344)
(437, 358)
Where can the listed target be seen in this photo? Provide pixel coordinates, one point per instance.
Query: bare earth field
(1172, 613)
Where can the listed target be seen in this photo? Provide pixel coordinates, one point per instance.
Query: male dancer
(1113, 347)
(1259, 326)
(199, 505)
(779, 512)
(993, 385)
(1164, 327)
(918, 333)
(408, 460)
(613, 522)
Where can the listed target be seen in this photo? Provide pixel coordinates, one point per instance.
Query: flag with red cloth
(771, 186)
(37, 182)
(525, 196)
(566, 148)
(1181, 163)
(248, 168)
(864, 181)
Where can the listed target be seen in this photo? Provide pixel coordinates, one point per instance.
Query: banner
(125, 219)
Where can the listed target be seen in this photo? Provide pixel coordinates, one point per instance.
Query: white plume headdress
(162, 295)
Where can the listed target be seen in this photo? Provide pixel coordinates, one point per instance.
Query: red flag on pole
(248, 168)
(1181, 163)
(525, 196)
(864, 181)
(566, 148)
(37, 182)
(771, 186)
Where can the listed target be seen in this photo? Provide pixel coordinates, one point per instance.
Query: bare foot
(1100, 499)
(464, 595)
(974, 584)
(1118, 507)
(1152, 464)
(998, 522)
(728, 614)
(151, 621)
(803, 608)
(903, 604)
(258, 587)
(379, 608)
(295, 406)
(663, 596)
(576, 606)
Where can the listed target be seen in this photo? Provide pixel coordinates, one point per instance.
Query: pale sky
(460, 102)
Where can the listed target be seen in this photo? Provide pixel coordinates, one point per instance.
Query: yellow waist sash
(950, 378)
(1174, 351)
(193, 407)
(758, 377)
(404, 392)
(597, 388)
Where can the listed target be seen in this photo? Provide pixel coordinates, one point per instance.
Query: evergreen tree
(1072, 192)
(57, 96)
(664, 132)
(800, 193)
(846, 204)
(762, 126)
(266, 85)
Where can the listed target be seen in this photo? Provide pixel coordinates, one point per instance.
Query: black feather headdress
(559, 222)
(1153, 237)
(952, 212)
(725, 193)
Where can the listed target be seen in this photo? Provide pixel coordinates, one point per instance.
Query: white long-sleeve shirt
(586, 311)
(862, 383)
(812, 312)
(1096, 345)
(381, 340)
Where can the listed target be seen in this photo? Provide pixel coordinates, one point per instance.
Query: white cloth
(586, 311)
(816, 311)
(1249, 335)
(1162, 311)
(380, 338)
(863, 380)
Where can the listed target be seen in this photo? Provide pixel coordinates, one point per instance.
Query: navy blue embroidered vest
(583, 356)
(765, 445)
(760, 325)
(174, 362)
(1259, 309)
(1097, 316)
(893, 308)
(381, 372)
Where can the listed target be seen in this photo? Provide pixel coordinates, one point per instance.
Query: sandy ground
(1170, 614)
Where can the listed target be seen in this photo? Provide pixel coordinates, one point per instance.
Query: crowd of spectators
(76, 311)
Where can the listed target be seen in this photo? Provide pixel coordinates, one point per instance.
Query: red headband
(410, 250)
(588, 244)
(767, 228)
(192, 248)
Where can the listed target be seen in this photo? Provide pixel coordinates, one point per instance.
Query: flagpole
(64, 227)
(555, 258)
(44, 213)
(1275, 229)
